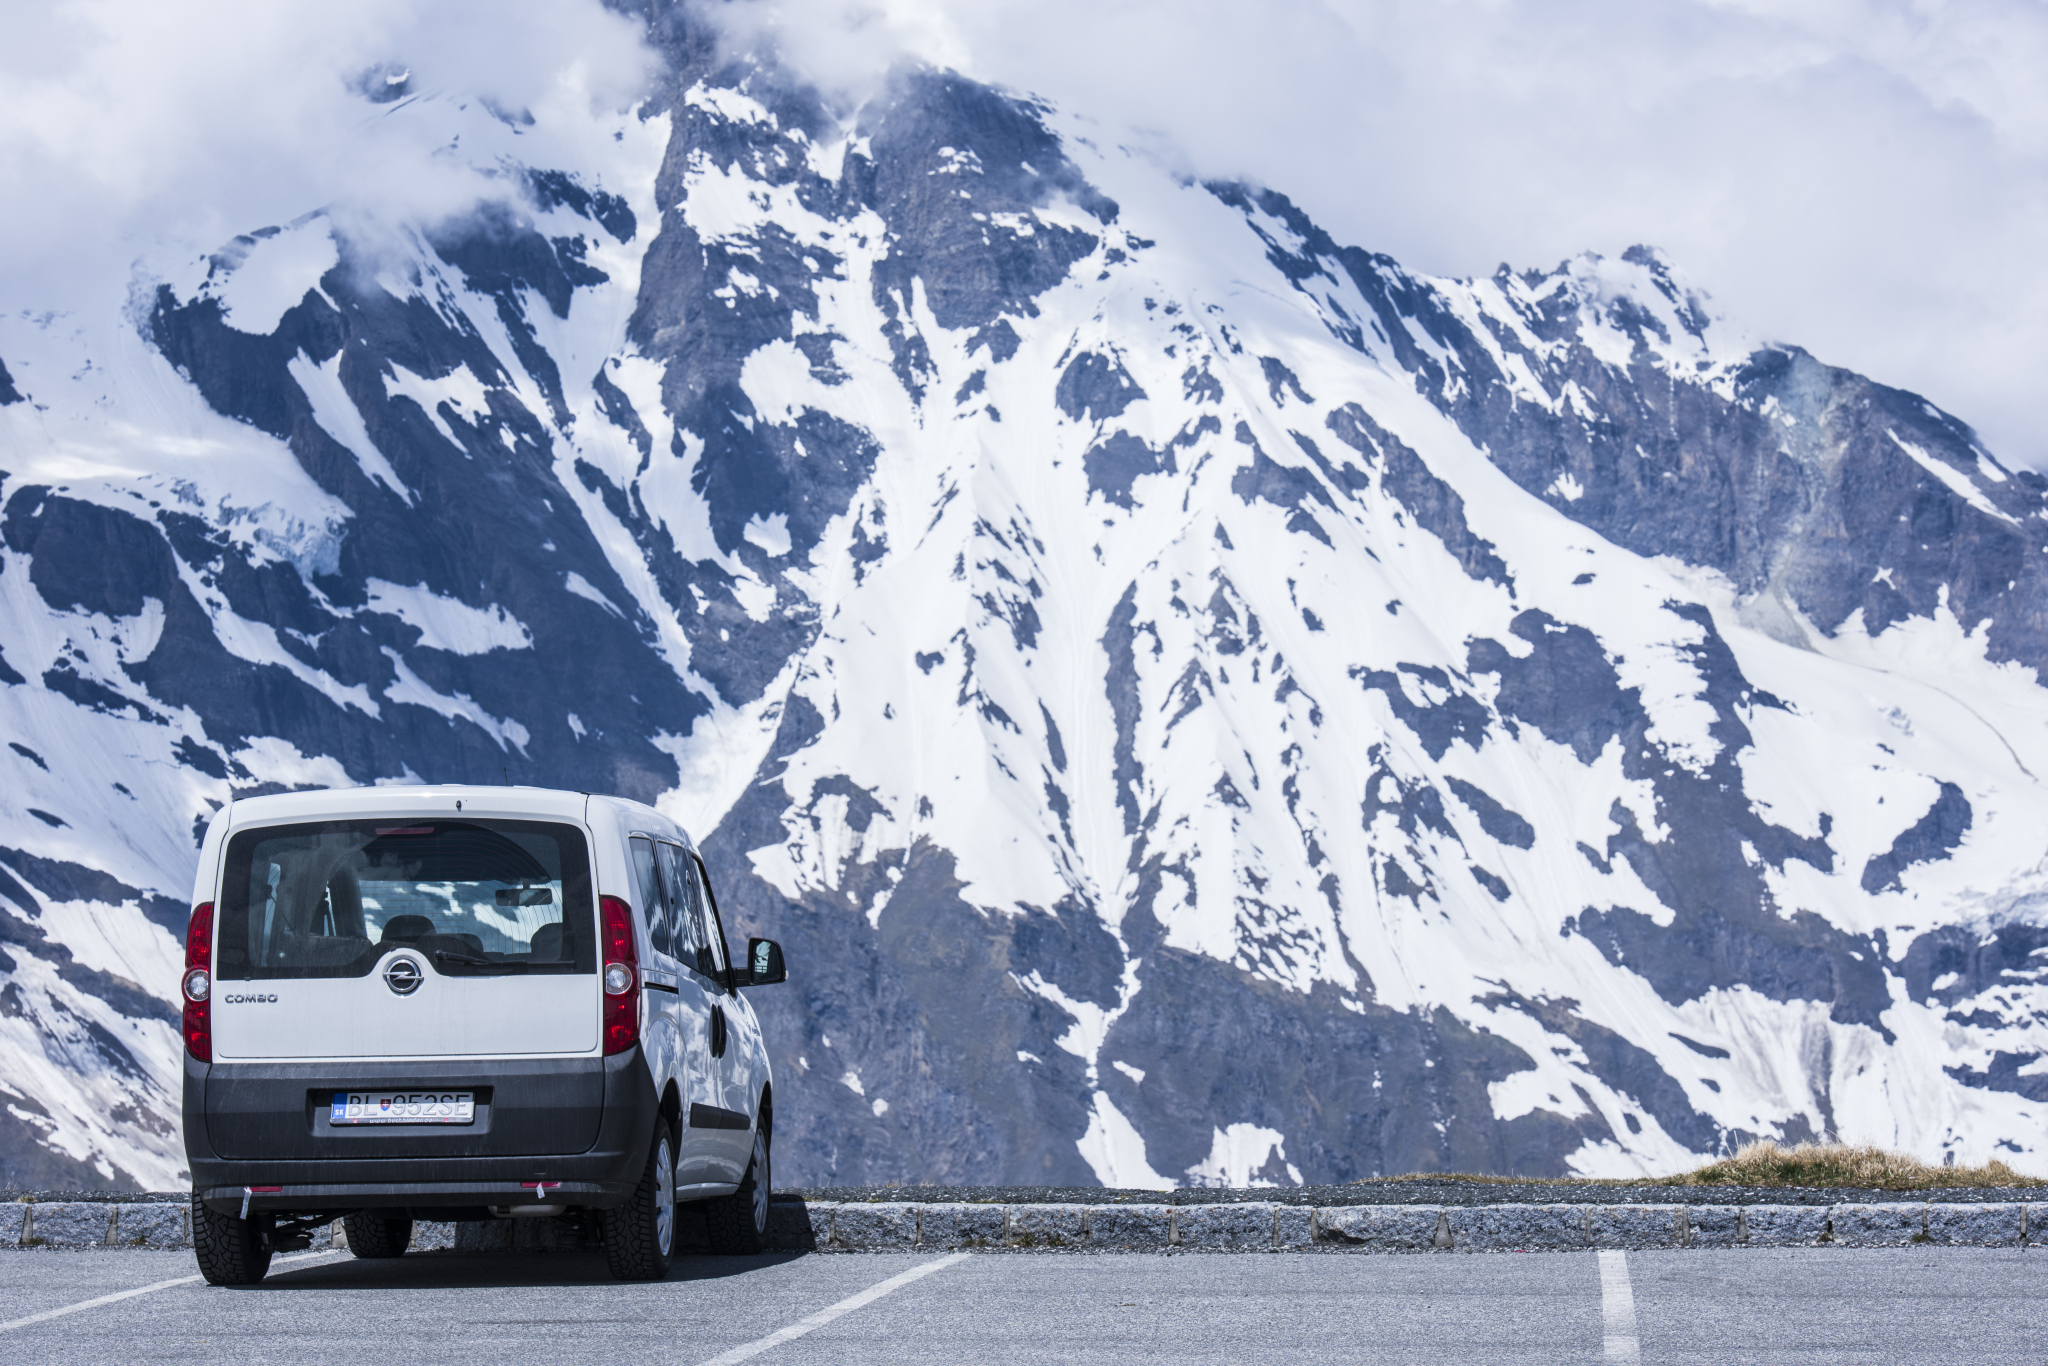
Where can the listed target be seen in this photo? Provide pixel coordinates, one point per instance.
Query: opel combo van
(466, 1004)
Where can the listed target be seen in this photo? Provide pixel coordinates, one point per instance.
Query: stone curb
(883, 1226)
(798, 1226)
(96, 1223)
(79, 1223)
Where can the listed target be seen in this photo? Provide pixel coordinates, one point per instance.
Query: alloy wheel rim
(760, 1180)
(664, 1196)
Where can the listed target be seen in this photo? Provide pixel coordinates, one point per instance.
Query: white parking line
(120, 1295)
(831, 1312)
(1618, 1310)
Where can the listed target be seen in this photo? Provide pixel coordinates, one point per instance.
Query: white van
(466, 1003)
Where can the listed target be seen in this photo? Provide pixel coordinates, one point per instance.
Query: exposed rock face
(1197, 703)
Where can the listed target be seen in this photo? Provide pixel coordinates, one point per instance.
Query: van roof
(351, 803)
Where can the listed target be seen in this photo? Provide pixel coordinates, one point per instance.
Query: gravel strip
(1413, 1193)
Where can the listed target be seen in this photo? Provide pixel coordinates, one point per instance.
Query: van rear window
(472, 897)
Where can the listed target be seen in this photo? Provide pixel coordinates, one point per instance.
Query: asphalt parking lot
(1817, 1305)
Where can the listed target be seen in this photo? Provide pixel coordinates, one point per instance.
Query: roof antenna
(506, 769)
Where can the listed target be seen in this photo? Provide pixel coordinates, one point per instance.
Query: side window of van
(658, 919)
(689, 938)
(714, 931)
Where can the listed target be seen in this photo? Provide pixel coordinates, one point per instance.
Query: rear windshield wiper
(471, 961)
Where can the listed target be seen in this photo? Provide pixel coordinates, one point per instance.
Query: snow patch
(589, 592)
(1567, 487)
(722, 101)
(777, 380)
(275, 275)
(1239, 1157)
(339, 417)
(269, 759)
(1115, 1151)
(459, 389)
(1958, 483)
(770, 533)
(411, 690)
(447, 624)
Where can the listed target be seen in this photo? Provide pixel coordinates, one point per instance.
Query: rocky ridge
(1200, 704)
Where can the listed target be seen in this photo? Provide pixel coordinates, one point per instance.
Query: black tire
(374, 1235)
(738, 1223)
(640, 1236)
(230, 1251)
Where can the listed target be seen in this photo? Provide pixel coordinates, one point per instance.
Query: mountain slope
(1197, 702)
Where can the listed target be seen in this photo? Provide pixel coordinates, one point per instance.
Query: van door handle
(717, 1032)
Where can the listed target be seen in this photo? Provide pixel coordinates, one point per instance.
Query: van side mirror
(764, 964)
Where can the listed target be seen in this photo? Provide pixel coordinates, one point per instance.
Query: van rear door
(420, 937)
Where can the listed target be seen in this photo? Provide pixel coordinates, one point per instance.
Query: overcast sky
(1867, 178)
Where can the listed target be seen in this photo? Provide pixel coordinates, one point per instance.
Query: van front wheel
(639, 1236)
(230, 1251)
(370, 1234)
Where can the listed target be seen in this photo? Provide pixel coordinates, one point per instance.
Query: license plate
(403, 1107)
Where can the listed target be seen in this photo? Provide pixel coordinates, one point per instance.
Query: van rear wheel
(230, 1251)
(373, 1235)
(640, 1235)
(738, 1223)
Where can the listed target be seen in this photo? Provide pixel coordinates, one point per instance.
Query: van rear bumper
(471, 1175)
(461, 1199)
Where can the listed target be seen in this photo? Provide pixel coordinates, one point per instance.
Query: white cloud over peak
(1867, 178)
(129, 128)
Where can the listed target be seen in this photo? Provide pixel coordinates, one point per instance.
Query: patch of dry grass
(1816, 1165)
(1840, 1164)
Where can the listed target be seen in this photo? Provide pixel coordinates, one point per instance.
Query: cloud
(130, 128)
(1866, 178)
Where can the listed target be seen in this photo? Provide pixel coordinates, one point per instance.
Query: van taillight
(198, 983)
(621, 975)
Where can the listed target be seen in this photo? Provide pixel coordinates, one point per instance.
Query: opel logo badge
(403, 976)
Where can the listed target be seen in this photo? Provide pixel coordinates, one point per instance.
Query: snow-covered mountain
(1198, 703)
